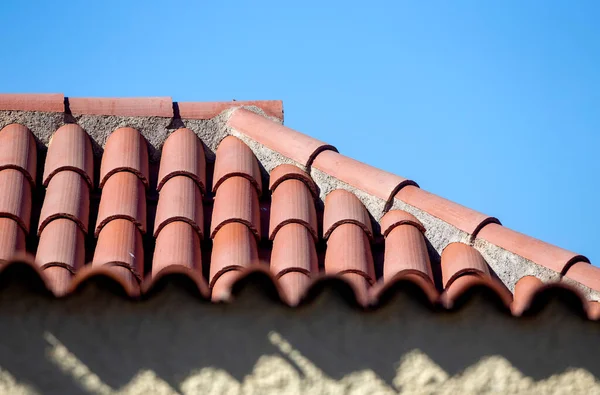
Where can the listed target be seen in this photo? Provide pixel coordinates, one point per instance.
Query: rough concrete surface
(587, 292)
(99, 343)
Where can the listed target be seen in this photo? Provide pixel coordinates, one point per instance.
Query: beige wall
(175, 343)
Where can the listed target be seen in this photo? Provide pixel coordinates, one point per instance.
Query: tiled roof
(136, 190)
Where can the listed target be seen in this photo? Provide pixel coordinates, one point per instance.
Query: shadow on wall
(97, 342)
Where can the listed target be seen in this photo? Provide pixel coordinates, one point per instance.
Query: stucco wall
(97, 342)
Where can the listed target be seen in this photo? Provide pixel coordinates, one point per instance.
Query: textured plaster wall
(99, 343)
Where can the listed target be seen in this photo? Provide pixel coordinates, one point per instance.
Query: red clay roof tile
(180, 200)
(183, 154)
(343, 207)
(288, 142)
(120, 247)
(234, 158)
(12, 239)
(234, 247)
(461, 285)
(18, 150)
(294, 286)
(125, 150)
(465, 219)
(593, 310)
(236, 201)
(207, 110)
(124, 197)
(61, 244)
(290, 172)
(524, 291)
(45, 102)
(459, 259)
(67, 196)
(394, 218)
(292, 202)
(377, 182)
(294, 250)
(535, 250)
(70, 149)
(15, 199)
(586, 274)
(59, 279)
(177, 244)
(349, 251)
(360, 284)
(125, 106)
(405, 250)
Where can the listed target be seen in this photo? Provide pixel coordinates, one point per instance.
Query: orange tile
(458, 259)
(177, 244)
(236, 201)
(234, 158)
(586, 274)
(234, 246)
(123, 196)
(467, 281)
(294, 248)
(18, 150)
(343, 207)
(360, 284)
(374, 181)
(221, 288)
(70, 149)
(290, 172)
(45, 102)
(180, 200)
(125, 150)
(207, 110)
(67, 196)
(465, 219)
(120, 243)
(126, 106)
(593, 310)
(348, 250)
(286, 141)
(535, 250)
(183, 154)
(294, 286)
(15, 199)
(58, 279)
(292, 202)
(525, 289)
(395, 218)
(12, 239)
(62, 242)
(405, 250)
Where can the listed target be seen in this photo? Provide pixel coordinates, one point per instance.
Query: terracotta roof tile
(180, 200)
(207, 110)
(61, 244)
(183, 154)
(70, 149)
(349, 251)
(459, 259)
(585, 273)
(377, 182)
(535, 250)
(343, 207)
(123, 196)
(294, 250)
(120, 248)
(405, 250)
(292, 202)
(18, 150)
(45, 102)
(67, 196)
(295, 145)
(177, 244)
(469, 281)
(15, 199)
(294, 285)
(290, 172)
(12, 239)
(125, 150)
(396, 218)
(234, 248)
(128, 106)
(236, 201)
(594, 310)
(524, 291)
(59, 279)
(234, 158)
(465, 219)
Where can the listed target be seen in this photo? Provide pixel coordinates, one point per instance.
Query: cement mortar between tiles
(42, 124)
(588, 293)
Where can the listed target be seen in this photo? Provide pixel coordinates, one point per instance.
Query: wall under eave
(96, 342)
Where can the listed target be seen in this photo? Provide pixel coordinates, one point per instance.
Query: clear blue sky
(495, 105)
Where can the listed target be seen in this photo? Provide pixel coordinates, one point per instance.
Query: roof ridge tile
(123, 106)
(207, 110)
(43, 102)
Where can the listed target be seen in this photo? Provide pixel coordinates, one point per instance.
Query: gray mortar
(588, 293)
(42, 124)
